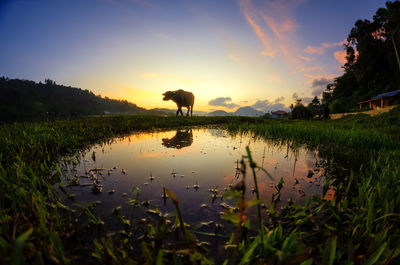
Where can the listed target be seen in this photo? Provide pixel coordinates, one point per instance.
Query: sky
(229, 53)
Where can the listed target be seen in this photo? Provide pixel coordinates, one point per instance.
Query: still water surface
(181, 159)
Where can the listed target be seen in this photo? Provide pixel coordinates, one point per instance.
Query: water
(181, 159)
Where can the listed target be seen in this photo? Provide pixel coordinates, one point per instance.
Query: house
(278, 114)
(382, 100)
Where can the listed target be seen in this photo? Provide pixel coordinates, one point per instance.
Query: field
(360, 225)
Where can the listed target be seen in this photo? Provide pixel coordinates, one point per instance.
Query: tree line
(372, 61)
(314, 110)
(28, 100)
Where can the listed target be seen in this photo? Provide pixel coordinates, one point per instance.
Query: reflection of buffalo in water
(182, 99)
(180, 140)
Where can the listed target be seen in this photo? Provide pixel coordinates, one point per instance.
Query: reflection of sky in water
(205, 156)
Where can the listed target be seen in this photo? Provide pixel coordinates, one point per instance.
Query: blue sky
(230, 53)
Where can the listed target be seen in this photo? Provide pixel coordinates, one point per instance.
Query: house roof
(387, 94)
(383, 95)
(279, 112)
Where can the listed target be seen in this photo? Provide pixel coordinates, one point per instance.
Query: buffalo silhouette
(180, 140)
(182, 99)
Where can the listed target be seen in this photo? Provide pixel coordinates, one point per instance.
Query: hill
(247, 111)
(243, 111)
(219, 113)
(28, 100)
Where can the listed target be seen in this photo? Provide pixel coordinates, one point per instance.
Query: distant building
(278, 114)
(106, 112)
(382, 100)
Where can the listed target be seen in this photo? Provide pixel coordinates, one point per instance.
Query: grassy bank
(355, 131)
(359, 226)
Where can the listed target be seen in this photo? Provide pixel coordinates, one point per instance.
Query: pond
(197, 164)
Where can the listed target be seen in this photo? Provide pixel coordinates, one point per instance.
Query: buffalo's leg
(187, 114)
(179, 110)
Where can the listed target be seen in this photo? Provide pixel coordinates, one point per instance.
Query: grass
(356, 132)
(359, 226)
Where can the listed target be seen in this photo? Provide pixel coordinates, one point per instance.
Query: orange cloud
(303, 69)
(312, 50)
(340, 56)
(266, 41)
(287, 25)
(312, 77)
(275, 26)
(307, 59)
(321, 49)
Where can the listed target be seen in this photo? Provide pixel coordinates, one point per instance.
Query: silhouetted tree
(326, 111)
(300, 112)
(314, 107)
(371, 65)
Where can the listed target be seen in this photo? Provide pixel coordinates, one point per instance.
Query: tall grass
(31, 217)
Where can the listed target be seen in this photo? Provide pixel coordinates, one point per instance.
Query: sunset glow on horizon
(231, 53)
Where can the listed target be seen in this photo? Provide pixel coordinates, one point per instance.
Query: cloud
(304, 100)
(340, 56)
(277, 106)
(321, 48)
(260, 104)
(267, 106)
(223, 102)
(302, 69)
(318, 91)
(277, 100)
(320, 76)
(320, 82)
(274, 24)
(319, 85)
(287, 25)
(305, 58)
(266, 41)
